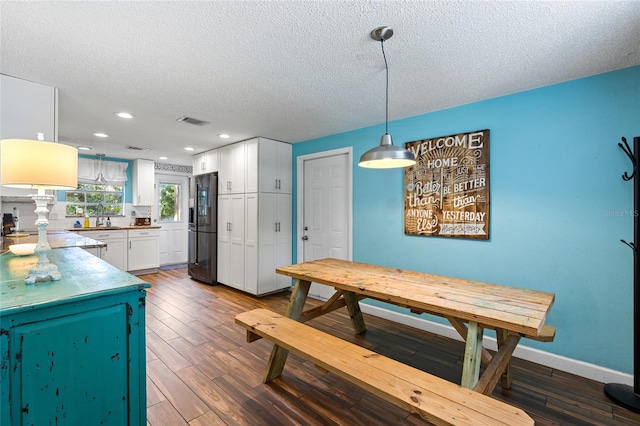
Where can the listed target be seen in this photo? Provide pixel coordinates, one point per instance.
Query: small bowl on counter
(23, 249)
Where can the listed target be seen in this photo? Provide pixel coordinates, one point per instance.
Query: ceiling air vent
(192, 120)
(137, 148)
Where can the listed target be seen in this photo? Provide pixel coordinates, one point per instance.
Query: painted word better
(467, 140)
(469, 184)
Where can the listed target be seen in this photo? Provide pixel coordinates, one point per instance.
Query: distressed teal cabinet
(73, 351)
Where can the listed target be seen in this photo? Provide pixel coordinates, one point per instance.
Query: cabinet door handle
(129, 245)
(276, 226)
(230, 226)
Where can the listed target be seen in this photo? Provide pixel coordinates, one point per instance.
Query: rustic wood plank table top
(494, 306)
(470, 306)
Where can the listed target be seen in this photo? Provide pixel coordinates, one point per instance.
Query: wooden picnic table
(470, 306)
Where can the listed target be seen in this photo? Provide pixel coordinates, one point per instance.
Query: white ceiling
(293, 70)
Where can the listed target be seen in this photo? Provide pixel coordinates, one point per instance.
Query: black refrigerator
(203, 238)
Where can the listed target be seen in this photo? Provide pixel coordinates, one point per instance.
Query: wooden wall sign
(447, 190)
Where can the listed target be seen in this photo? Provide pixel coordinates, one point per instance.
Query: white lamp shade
(37, 164)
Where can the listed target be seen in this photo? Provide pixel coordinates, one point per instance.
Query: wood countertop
(112, 228)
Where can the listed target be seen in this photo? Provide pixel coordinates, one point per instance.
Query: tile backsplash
(59, 220)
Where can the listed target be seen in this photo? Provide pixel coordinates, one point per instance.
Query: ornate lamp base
(44, 270)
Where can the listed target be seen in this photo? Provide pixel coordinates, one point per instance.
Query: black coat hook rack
(625, 395)
(634, 161)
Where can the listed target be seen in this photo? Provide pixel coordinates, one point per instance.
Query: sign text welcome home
(447, 190)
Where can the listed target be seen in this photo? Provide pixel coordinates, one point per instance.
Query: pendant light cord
(386, 112)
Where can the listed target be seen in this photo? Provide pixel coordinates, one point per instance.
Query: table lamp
(39, 165)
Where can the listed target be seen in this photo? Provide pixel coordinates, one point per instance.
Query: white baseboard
(573, 366)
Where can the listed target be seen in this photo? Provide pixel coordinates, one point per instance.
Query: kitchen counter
(112, 228)
(57, 239)
(59, 336)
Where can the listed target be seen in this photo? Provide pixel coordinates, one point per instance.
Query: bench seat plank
(435, 399)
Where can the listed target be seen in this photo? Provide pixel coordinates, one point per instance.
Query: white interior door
(324, 198)
(173, 223)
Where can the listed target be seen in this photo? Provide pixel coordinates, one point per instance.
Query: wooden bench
(434, 399)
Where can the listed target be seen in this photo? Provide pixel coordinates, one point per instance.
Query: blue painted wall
(558, 206)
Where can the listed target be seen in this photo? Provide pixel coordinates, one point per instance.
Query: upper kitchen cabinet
(268, 166)
(231, 173)
(205, 162)
(143, 182)
(26, 109)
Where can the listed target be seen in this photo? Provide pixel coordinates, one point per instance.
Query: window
(89, 197)
(169, 202)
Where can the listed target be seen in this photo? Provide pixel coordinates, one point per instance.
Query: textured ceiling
(294, 70)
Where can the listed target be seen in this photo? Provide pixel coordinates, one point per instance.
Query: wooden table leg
(294, 310)
(354, 312)
(499, 364)
(458, 324)
(501, 336)
(472, 356)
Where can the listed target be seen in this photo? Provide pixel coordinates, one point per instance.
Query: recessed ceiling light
(101, 135)
(224, 136)
(124, 115)
(84, 148)
(188, 148)
(162, 158)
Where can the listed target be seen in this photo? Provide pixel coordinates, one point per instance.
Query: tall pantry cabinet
(266, 216)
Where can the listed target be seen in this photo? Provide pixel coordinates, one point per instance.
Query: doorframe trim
(300, 194)
(155, 209)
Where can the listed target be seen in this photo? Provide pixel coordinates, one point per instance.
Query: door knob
(305, 238)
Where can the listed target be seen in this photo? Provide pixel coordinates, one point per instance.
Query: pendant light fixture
(100, 180)
(386, 155)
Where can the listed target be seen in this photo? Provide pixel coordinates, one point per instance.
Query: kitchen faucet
(100, 215)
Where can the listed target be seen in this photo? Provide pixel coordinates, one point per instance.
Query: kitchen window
(169, 202)
(89, 197)
(100, 185)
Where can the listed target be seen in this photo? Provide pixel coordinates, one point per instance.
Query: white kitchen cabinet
(115, 253)
(254, 227)
(26, 109)
(143, 182)
(231, 170)
(269, 166)
(267, 241)
(205, 162)
(143, 254)
(231, 227)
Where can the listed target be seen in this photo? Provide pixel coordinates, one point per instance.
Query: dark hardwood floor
(201, 371)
